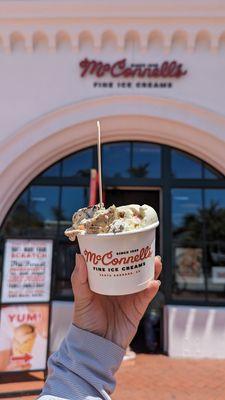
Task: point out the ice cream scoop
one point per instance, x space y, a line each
98 219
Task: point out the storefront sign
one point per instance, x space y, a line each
218 275
23 337
26 271
141 72
168 69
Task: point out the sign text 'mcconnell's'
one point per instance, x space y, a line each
167 69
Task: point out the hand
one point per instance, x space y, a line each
115 318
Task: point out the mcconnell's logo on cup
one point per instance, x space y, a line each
108 259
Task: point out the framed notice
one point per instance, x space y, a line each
218 275
27 271
24 337
189 265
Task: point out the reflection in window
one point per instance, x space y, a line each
216 270
116 160
44 209
146 160
72 199
187 216
187 221
79 164
210 173
215 214
185 166
53 171
17 220
188 276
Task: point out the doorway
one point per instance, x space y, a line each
149 336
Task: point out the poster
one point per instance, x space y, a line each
189 265
23 337
26 271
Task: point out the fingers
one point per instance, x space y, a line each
142 299
158 266
79 279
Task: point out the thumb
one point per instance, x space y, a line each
79 280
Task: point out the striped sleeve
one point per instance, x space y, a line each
82 368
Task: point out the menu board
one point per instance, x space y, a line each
23 337
26 271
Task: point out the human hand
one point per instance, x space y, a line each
115 318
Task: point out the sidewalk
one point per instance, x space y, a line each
161 378
164 378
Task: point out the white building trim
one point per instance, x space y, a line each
174 21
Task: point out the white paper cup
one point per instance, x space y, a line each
120 263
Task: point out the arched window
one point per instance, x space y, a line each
192 212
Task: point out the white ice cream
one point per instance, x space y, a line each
111 220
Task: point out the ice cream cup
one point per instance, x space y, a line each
120 263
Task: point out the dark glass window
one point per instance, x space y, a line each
215 236
185 166
17 220
116 160
72 199
215 269
43 210
210 173
53 171
64 263
215 214
146 160
187 221
188 272
187 215
79 164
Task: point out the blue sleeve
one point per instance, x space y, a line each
82 368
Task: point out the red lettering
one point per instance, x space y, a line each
155 73
164 69
25 317
11 317
168 69
20 317
91 257
100 71
88 66
180 72
172 69
117 68
31 317
107 258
